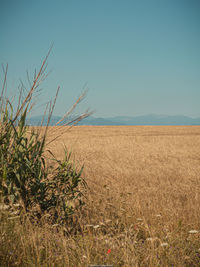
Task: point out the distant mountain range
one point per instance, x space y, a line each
122 120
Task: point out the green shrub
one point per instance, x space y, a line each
25 177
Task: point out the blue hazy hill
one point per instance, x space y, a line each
121 120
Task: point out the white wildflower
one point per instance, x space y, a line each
14 213
165 244
13 218
193 232
4 207
96 226
16 205
55 225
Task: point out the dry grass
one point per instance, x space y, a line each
144 200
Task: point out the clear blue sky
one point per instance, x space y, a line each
137 57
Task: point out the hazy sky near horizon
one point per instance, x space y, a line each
137 57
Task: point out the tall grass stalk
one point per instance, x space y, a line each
26 180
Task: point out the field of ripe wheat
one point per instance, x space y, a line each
142 205
146 180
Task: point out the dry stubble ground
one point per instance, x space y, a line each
143 203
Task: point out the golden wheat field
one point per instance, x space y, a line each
157 168
143 203
145 175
